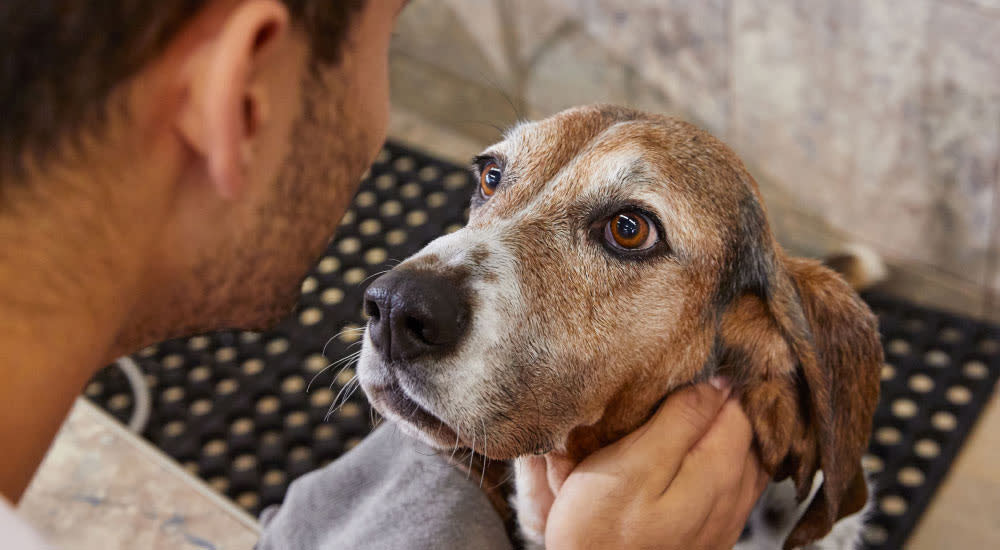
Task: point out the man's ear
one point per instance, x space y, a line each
805 359
224 108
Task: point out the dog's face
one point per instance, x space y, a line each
585 268
604 253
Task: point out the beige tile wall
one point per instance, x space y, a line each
868 121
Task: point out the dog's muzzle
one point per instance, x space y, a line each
414 314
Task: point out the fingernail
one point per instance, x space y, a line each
721 383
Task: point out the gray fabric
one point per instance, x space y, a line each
389 492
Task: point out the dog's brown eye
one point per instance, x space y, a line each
630 231
489 178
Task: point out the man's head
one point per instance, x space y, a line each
216 143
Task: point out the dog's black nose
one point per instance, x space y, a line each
414 313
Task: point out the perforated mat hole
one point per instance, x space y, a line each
190 467
976 370
201 407
173 361
872 463
355 276
324 432
429 173
293 384
904 408
927 449
345 376
365 199
385 182
120 402
437 200
875 534
310 316
944 421
898 346
300 453
200 374
274 477
910 476
226 354
349 217
452 228
332 296
316 363
327 265
148 351
456 180
350 410
937 358
352 443
375 256
249 337
349 245
252 367
226 387
888 435
959 395
921 383
219 484
297 419
893 505
888 371
215 448
175 428
242 426
321 397
988 346
395 237
248 500
276 346
410 190
173 394
309 284
383 156
244 462
198 343
369 227
94 389
416 218
390 208
350 333
404 164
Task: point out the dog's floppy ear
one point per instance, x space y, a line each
804 351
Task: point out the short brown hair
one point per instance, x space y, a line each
60 61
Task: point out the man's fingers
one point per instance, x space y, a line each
714 463
655 451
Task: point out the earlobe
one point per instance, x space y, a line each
225 108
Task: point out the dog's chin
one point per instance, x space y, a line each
389 398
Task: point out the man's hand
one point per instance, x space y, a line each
687 479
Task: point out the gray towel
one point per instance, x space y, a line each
389 492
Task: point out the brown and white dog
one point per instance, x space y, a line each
612 256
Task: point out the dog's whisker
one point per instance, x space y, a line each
350 357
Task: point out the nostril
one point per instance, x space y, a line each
372 310
417 328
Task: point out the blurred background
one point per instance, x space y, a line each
874 122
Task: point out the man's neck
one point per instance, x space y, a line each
62 282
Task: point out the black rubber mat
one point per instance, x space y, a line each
234 409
